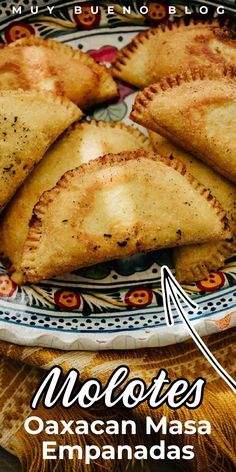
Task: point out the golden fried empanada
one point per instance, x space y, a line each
77 145
116 206
30 122
194 262
39 64
172 48
197 111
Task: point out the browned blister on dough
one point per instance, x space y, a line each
43 64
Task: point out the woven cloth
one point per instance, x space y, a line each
22 368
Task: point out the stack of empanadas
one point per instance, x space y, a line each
116 206
29 123
79 144
40 83
196 110
100 192
195 261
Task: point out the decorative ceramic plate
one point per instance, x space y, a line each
118 304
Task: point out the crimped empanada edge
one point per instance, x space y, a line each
45 96
199 271
80 125
115 124
223 251
102 71
123 56
56 46
35 225
145 97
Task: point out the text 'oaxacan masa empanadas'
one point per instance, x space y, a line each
38 64
194 262
197 111
79 144
172 48
29 123
116 206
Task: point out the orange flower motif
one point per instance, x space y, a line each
138 297
87 19
224 323
7 287
215 281
67 299
18 30
157 11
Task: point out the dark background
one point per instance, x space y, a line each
9 463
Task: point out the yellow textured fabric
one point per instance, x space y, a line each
22 368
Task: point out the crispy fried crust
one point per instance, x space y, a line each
30 122
80 143
127 188
195 262
197 110
174 47
49 65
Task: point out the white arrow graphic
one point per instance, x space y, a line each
172 292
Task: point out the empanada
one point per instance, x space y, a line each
194 262
79 144
197 111
39 64
116 206
172 48
29 122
